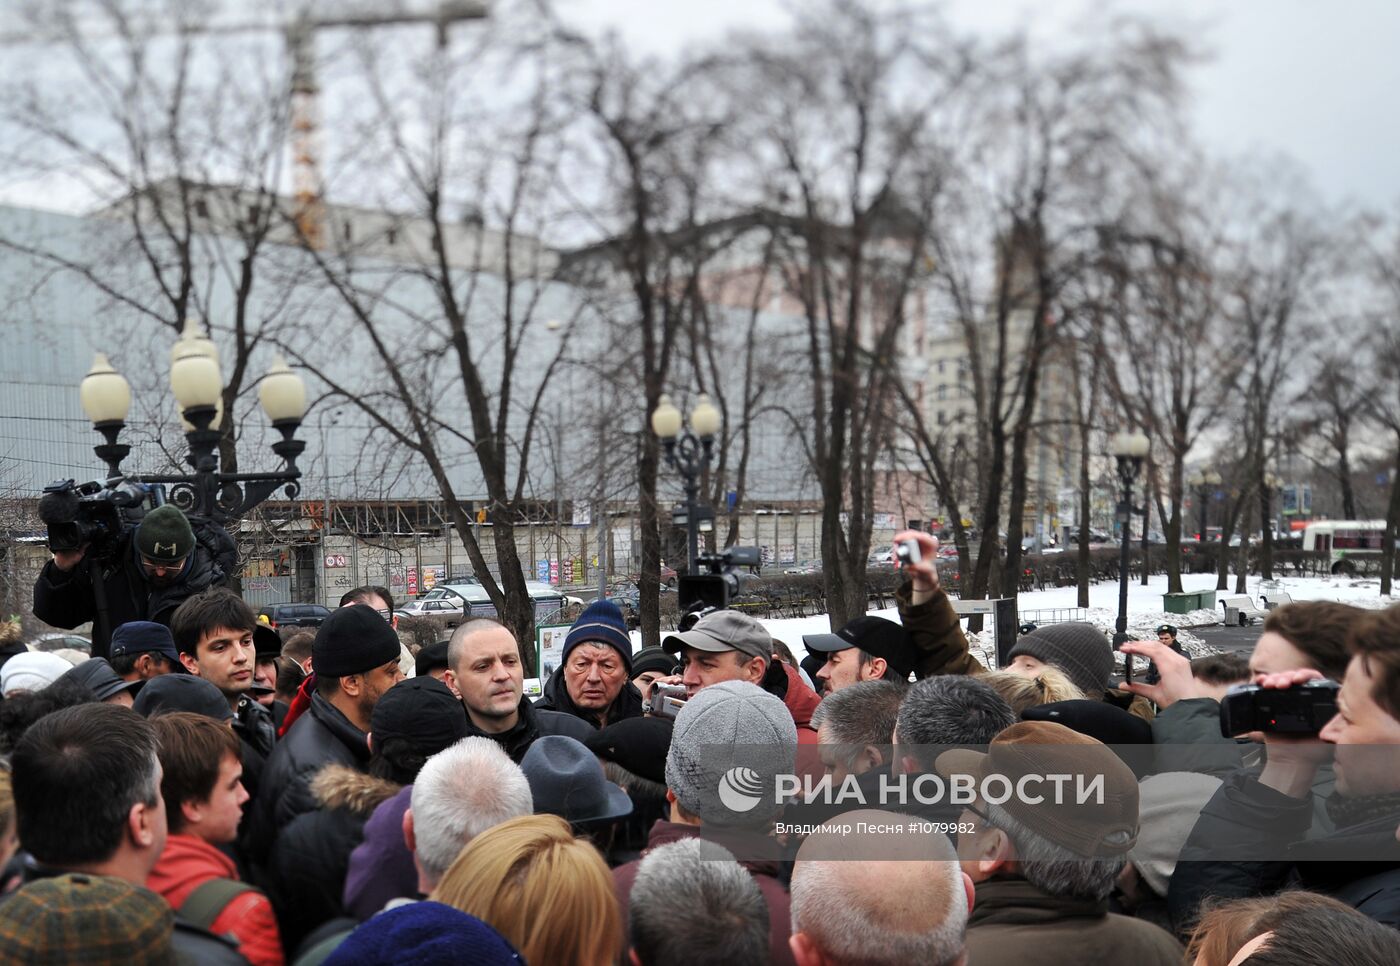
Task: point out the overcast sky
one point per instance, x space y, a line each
1318 82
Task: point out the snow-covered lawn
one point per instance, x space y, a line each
1144 607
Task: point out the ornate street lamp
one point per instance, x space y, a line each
198 389
1129 449
689 452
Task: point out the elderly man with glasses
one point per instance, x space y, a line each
150 570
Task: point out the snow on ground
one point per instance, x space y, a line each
1144 608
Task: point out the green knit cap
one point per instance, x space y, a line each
164 535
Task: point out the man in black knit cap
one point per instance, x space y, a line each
356 660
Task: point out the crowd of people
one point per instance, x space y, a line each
204 789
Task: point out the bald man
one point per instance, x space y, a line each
886 892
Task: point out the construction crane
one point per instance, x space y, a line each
299 33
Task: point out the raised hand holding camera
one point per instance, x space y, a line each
917 554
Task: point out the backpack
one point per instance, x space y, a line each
202 906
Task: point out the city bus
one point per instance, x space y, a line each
1352 545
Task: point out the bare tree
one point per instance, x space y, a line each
852 166
438 317
1172 361
178 138
1330 408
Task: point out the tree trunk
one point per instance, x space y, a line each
1266 529
648 580
1082 563
1392 526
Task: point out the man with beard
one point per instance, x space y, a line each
154 568
484 670
356 660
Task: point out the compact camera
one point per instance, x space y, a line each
1300 710
907 552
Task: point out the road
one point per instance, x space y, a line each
1237 639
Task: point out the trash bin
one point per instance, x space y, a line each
1185 603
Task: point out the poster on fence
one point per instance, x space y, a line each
549 649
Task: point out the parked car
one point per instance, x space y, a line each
57 642
294 615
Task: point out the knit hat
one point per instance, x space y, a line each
146 637
731 741
97 676
1080 650
423 711
182 692
353 640
32 671
638 744
164 535
600 623
426 934
652 659
724 630
1171 804
267 643
1104 824
85 918
567 780
430 659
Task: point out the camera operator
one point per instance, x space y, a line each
725 645
1269 818
156 565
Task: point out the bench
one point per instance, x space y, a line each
1240 609
1279 599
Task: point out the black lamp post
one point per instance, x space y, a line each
1128 449
198 389
689 452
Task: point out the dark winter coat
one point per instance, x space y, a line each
627 704
323 736
256 732
765 872
1187 736
1358 864
66 599
1014 922
306 870
533 723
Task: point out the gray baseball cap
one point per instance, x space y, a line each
724 630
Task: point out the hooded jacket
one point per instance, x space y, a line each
307 868
533 723
186 864
765 872
323 736
1012 921
627 704
66 599
783 681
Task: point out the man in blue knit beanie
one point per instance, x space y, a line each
594 677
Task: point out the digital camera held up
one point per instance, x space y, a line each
1300 710
95 514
